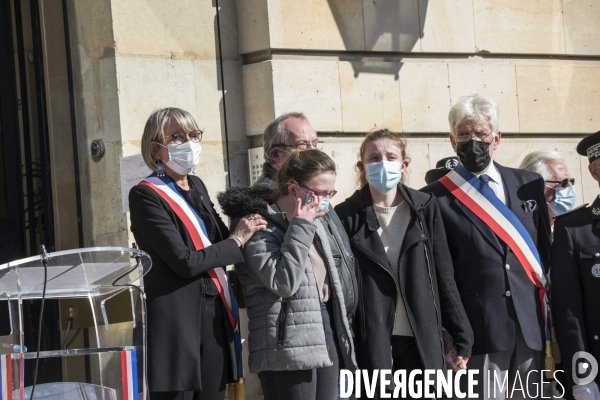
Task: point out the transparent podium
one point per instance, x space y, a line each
100 291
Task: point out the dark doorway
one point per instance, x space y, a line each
27 201
26 198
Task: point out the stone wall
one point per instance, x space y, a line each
350 65
356 65
134 57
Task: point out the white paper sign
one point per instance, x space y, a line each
133 170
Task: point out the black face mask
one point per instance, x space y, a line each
474 155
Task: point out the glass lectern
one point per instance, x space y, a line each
105 286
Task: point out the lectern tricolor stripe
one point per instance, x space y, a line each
129 375
6 371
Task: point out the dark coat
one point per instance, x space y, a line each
575 287
174 286
424 278
268 173
490 279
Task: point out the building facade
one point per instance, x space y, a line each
86 71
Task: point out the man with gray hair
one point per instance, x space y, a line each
559 190
289 132
499 240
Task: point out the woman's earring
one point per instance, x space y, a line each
160 169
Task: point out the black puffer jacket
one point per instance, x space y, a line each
425 278
237 202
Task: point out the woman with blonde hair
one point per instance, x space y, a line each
406 280
192 312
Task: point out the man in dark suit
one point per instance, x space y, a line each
502 303
575 277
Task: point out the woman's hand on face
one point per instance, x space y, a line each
309 211
248 225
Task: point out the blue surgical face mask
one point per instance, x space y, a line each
384 175
564 200
324 202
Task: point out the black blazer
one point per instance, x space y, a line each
174 286
424 278
492 283
576 284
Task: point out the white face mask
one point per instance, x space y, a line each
183 157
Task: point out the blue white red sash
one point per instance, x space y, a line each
6 372
484 203
129 375
166 189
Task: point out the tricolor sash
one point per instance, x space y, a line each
129 375
166 189
484 203
6 372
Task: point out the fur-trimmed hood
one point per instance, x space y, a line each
239 201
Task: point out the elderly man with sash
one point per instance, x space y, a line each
498 232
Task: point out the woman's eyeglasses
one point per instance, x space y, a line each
322 194
564 183
180 137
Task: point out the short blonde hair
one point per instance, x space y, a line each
154 131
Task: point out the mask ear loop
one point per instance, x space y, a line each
302 190
306 201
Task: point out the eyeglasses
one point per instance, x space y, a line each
179 137
322 194
564 183
480 136
302 146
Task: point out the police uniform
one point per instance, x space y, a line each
575 278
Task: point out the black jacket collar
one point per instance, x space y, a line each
366 238
363 200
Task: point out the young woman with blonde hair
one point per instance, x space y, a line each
407 289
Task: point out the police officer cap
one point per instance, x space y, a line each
448 163
442 167
590 146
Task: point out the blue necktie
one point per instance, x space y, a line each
485 179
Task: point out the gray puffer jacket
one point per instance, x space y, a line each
286 325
